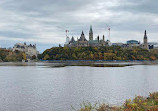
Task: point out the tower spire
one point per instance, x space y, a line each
82 32
91 33
145 35
145 40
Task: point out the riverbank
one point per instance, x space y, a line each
101 63
90 63
139 103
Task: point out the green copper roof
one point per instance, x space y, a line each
93 41
91 31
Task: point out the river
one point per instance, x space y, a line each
44 88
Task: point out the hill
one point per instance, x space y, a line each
99 53
9 56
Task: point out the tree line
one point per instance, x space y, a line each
10 56
98 53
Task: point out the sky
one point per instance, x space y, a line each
43 22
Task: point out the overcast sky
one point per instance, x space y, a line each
44 21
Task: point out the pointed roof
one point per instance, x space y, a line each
103 37
72 40
145 35
82 38
91 30
82 33
98 37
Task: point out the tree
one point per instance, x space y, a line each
152 58
24 56
96 53
46 57
33 57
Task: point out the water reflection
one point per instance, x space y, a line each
45 89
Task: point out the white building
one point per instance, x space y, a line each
67 40
29 50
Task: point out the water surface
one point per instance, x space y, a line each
43 88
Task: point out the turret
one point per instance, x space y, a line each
72 39
103 38
145 35
82 33
82 38
60 45
67 40
98 38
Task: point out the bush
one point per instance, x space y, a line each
139 103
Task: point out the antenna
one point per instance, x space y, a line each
109 29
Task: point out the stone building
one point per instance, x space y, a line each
133 43
91 33
83 42
145 44
29 50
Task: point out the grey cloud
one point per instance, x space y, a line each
138 6
11 34
40 19
45 6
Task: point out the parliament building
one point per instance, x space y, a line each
83 42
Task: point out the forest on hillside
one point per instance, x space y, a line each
98 53
9 56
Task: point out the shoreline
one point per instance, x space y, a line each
90 63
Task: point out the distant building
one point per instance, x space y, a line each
91 33
133 43
100 41
67 40
29 50
117 44
145 44
153 45
83 42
